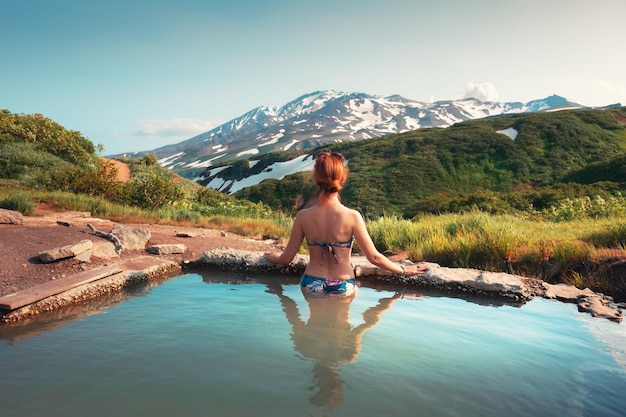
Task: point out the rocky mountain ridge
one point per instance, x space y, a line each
323 117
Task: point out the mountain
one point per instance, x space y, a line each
496 164
325 117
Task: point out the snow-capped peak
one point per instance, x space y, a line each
322 117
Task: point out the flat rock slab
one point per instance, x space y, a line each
63 252
506 285
599 305
34 294
104 249
564 292
84 286
166 249
144 263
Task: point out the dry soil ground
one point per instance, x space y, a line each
20 245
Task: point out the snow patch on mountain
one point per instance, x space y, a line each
290 144
510 132
254 151
169 159
277 170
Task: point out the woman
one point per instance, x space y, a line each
330 228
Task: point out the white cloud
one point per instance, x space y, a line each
178 128
483 91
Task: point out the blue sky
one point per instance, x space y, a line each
138 74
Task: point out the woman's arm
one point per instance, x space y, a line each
372 254
295 241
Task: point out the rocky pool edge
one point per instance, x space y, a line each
474 282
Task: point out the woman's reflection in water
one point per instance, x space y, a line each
328 337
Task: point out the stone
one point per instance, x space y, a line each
166 249
11 217
64 252
233 260
104 249
131 238
498 282
85 256
565 292
599 305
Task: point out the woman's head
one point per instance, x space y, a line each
330 172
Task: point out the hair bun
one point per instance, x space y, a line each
329 172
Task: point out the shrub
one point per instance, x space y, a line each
98 179
151 188
587 207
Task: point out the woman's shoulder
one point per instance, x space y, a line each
354 213
305 213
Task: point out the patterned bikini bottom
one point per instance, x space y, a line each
322 286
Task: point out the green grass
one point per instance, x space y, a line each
566 251
18 202
251 220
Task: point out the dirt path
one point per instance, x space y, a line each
123 171
20 245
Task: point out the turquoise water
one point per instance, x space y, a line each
230 345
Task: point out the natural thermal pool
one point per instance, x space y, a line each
222 344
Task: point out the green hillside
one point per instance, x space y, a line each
555 155
39 154
33 146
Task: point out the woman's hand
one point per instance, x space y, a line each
272 256
415 269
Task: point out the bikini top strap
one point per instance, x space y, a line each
331 247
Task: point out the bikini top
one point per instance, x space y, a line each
331 246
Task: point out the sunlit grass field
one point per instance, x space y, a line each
534 248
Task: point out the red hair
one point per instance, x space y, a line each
330 172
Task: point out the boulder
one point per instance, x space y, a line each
600 305
85 256
565 292
11 217
131 238
167 249
104 250
64 252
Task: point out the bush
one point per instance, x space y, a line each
151 188
210 197
586 207
98 180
